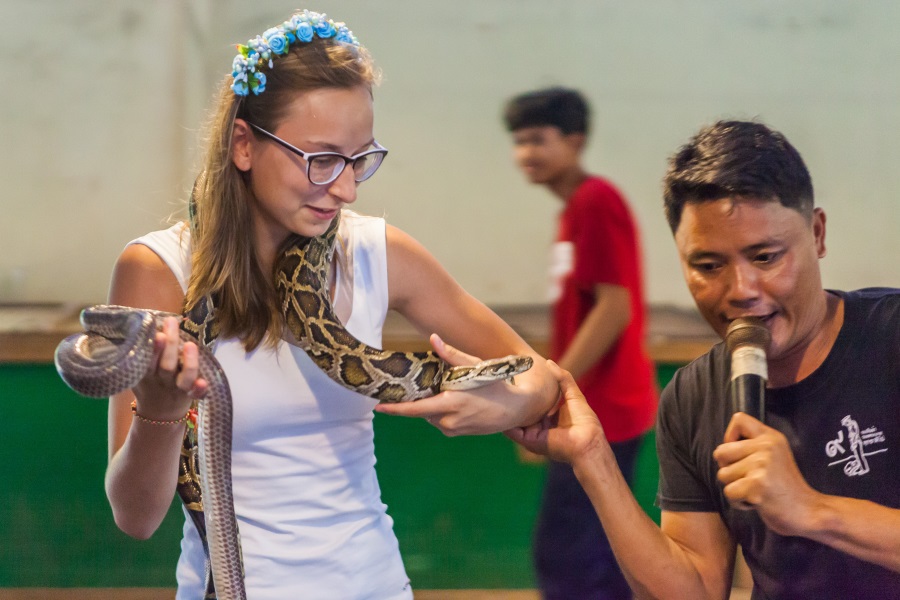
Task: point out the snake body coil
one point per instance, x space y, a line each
389 376
113 355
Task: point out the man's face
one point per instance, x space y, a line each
747 257
544 153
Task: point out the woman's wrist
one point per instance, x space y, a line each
532 401
188 417
540 385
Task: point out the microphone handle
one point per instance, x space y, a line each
748 395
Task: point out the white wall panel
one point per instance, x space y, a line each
104 101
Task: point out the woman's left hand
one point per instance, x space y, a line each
490 409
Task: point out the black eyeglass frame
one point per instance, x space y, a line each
308 157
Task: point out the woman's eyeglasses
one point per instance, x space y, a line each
324 167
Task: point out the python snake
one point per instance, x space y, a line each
116 349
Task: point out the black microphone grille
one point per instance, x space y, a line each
747 331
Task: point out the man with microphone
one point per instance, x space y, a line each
808 485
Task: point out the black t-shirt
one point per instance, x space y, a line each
843 425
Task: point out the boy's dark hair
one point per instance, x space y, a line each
737 159
559 107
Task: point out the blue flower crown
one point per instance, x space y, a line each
276 41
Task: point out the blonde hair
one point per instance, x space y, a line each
224 261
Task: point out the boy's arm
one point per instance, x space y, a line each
599 330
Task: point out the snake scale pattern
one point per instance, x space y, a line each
116 349
114 355
302 278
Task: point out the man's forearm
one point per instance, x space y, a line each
863 529
652 562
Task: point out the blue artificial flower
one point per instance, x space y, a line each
304 32
239 87
289 30
345 35
276 40
324 29
258 83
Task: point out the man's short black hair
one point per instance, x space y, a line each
737 159
559 107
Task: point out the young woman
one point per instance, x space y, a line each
290 140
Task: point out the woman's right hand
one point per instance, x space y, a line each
173 381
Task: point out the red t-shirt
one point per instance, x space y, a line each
597 243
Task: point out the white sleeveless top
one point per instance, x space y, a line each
312 524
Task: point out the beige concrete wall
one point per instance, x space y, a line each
103 101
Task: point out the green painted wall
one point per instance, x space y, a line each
463 507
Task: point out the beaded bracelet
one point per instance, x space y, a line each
186 418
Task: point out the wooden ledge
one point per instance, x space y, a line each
29 333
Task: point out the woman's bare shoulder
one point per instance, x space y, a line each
142 279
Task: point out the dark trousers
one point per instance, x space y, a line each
572 557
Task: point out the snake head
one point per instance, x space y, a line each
511 365
111 355
486 372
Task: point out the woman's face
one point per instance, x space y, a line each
285 201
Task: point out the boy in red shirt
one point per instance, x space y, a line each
597 335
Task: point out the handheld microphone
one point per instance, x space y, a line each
746 341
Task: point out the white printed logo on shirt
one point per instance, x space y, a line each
562 261
854 447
